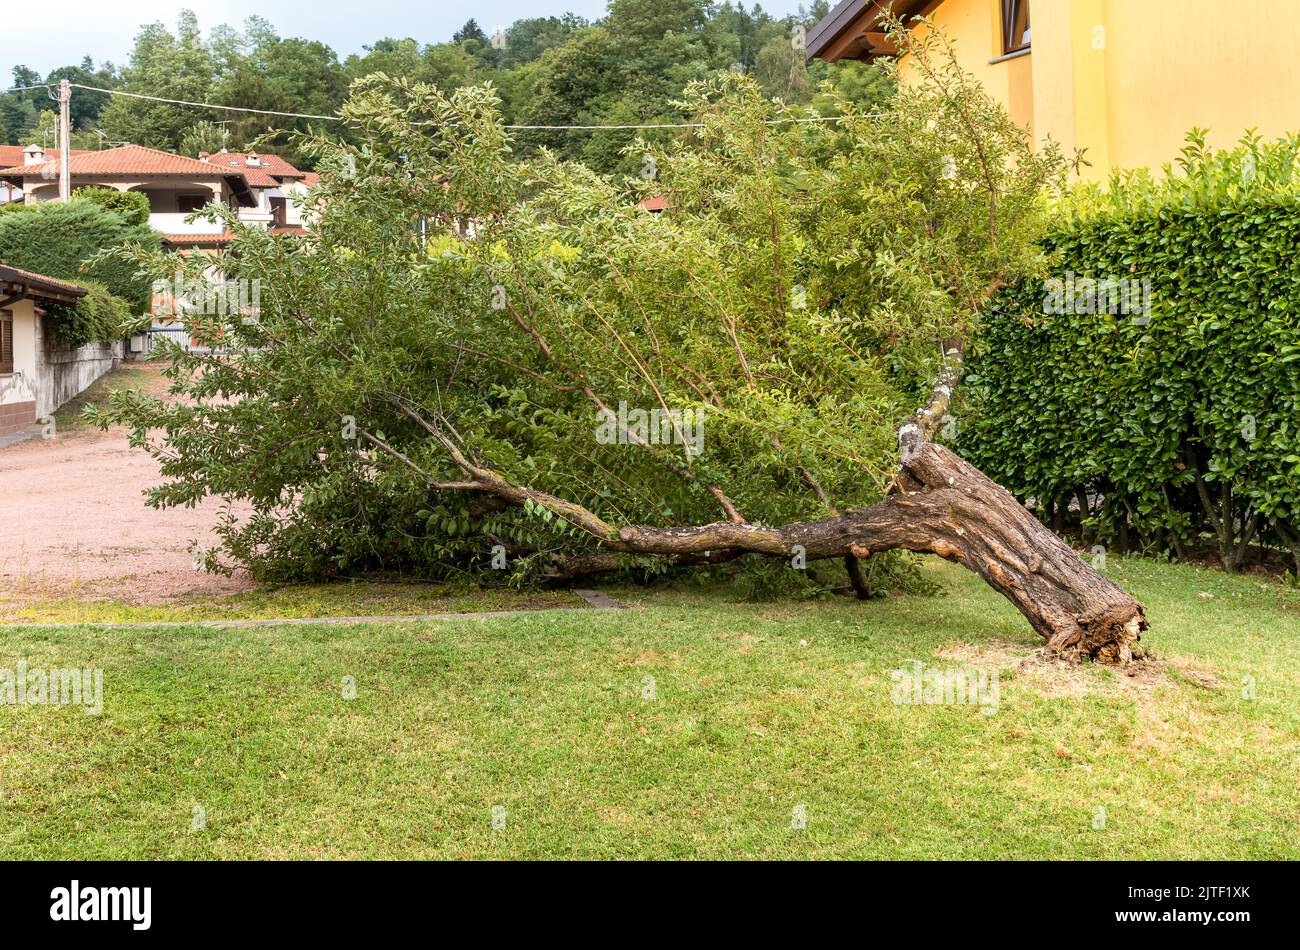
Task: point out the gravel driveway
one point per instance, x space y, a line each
73 519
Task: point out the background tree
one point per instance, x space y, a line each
628 68
470 31
780 71
205 136
413 400
178 66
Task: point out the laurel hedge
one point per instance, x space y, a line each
1180 418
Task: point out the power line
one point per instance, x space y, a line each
204 105
678 125
334 118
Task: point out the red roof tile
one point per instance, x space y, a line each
13 154
270 171
17 275
123 161
200 240
225 237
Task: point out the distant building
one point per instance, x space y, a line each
259 188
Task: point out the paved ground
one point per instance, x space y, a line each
73 520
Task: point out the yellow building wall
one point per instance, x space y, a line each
1126 79
975 29
1174 64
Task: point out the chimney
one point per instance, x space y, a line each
33 155
203 156
253 161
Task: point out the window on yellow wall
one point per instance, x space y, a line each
1015 25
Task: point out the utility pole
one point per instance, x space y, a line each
65 102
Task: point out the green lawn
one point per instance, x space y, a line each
353 599
757 709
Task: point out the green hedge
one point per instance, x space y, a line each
54 238
97 317
131 205
1157 426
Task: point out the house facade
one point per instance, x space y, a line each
37 373
11 155
1124 79
276 185
261 189
176 186
264 191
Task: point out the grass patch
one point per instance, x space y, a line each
146 376
756 709
355 599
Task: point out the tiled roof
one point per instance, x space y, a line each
13 154
125 160
270 171
200 240
656 203
225 237
39 281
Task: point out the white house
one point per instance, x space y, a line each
276 184
37 373
176 186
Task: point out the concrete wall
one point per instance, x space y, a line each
47 374
63 372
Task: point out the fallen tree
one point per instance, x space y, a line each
474 363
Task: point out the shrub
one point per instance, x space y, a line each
132 205
98 316
1165 422
55 238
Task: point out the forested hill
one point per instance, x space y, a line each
626 68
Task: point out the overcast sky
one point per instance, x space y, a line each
68 30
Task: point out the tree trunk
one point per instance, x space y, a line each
943 505
938 504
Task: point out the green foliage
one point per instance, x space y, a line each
204 136
133 206
96 317
56 238
791 304
1184 419
28 116
629 68
173 66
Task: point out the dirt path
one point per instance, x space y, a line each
74 520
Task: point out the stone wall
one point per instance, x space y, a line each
63 372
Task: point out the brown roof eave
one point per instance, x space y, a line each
239 187
832 25
20 284
857 17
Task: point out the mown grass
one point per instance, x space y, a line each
353 599
756 709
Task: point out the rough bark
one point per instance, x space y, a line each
943 505
938 504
